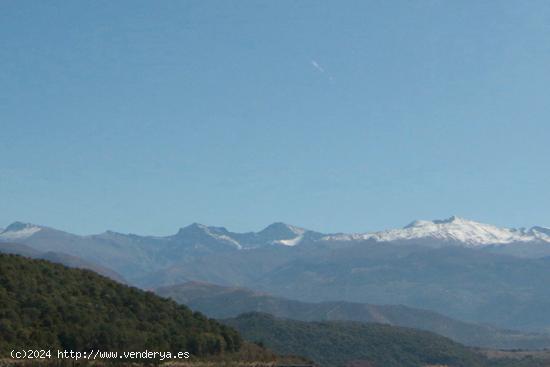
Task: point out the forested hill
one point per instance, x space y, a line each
337 343
45 305
345 343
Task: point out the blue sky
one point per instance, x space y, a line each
333 115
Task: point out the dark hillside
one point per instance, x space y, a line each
48 305
337 343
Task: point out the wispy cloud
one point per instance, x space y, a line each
318 67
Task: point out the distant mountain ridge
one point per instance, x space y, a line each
435 265
454 230
275 234
18 230
224 302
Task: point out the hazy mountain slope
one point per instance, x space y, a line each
465 284
228 268
123 253
60 258
462 283
52 306
337 343
18 249
223 302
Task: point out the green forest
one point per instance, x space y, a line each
345 343
45 305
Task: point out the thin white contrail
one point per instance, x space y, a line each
316 65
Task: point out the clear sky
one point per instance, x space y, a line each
333 115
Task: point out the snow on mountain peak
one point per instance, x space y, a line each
217 233
290 242
282 229
283 234
19 230
297 230
453 229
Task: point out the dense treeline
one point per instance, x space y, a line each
342 343
336 343
45 305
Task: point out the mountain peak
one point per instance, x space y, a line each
19 230
193 227
451 220
18 226
198 231
282 234
417 223
280 228
454 230
196 225
537 231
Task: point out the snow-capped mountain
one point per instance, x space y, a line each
433 233
452 230
19 230
283 234
204 234
275 234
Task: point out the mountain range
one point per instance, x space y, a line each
463 269
532 242
454 230
225 302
